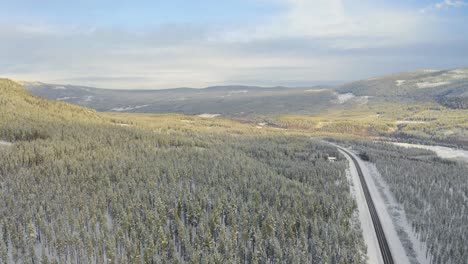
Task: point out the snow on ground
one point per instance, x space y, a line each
315 90
64 98
237 92
443 152
140 106
368 232
398 122
209 115
396 246
459 73
430 84
343 98
415 249
4 143
400 82
121 109
59 88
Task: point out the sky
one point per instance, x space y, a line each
152 44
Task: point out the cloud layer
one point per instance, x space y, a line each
308 42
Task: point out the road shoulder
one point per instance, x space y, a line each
370 238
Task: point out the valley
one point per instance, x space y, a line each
243 132
383 106
232 174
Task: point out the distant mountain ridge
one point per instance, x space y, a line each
446 87
234 100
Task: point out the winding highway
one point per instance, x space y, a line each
382 240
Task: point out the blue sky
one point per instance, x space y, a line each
162 44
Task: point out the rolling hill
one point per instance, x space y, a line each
80 186
424 105
225 100
448 87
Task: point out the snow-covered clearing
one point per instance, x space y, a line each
121 109
343 98
443 152
237 92
209 115
368 232
400 82
316 90
64 98
459 73
430 84
4 143
398 122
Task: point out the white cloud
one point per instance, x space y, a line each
349 26
310 40
444 4
450 3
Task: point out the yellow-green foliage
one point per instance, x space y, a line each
15 102
427 120
19 111
170 123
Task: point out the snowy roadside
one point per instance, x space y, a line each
415 249
404 244
370 238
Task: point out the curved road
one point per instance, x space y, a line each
383 244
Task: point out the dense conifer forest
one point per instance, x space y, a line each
77 186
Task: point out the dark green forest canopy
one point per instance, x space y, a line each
77 188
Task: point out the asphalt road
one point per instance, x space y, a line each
383 244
